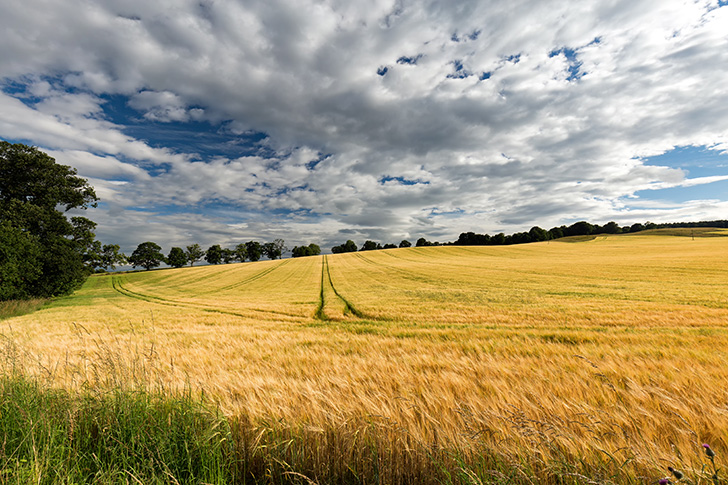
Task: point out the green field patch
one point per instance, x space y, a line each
577 239
16 308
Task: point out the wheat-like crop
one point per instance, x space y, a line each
614 347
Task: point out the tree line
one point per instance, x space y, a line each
149 254
535 234
581 228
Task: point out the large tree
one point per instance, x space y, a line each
20 262
348 247
112 256
310 250
214 254
280 247
35 194
275 249
370 246
194 253
254 250
177 257
148 255
241 252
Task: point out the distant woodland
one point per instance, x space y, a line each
536 234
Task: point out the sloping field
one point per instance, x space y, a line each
612 350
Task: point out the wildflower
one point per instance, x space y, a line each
677 473
664 481
708 451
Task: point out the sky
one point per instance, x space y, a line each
219 122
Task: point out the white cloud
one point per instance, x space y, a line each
163 106
107 168
49 125
507 113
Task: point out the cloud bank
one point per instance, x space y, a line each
320 121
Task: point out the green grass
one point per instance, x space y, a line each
16 308
52 436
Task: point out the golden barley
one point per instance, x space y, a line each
615 345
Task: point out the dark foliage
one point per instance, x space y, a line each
310 250
275 249
214 254
254 250
241 252
348 247
148 255
581 228
42 253
177 257
228 256
194 253
424 242
370 246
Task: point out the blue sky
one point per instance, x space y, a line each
696 162
310 121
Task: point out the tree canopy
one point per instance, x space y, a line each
214 254
42 252
241 252
111 256
148 255
194 253
275 249
310 250
254 250
348 247
370 246
177 257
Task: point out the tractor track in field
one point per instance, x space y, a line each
117 284
200 278
609 292
466 249
327 282
249 279
408 275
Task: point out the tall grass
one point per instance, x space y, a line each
129 432
118 421
15 308
56 436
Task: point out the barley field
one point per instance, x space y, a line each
595 360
